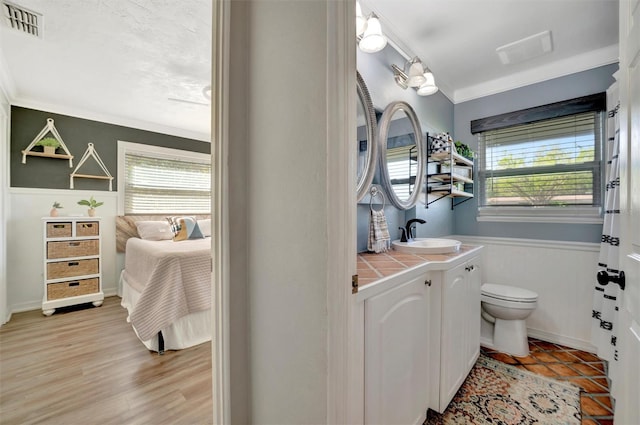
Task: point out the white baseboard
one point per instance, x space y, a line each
37 305
549 337
25 306
562 340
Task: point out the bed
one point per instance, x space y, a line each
166 289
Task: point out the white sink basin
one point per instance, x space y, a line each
427 246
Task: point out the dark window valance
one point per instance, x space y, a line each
594 102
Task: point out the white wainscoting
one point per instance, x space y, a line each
561 273
25 247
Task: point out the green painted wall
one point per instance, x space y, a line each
49 173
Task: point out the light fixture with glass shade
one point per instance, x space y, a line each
429 86
372 40
369 32
361 21
416 73
418 77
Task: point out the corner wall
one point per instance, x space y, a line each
575 85
34 186
278 149
5 117
435 114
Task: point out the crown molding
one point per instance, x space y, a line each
583 62
110 119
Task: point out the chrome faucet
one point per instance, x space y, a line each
410 227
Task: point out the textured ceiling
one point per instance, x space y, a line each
124 59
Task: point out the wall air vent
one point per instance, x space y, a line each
22 19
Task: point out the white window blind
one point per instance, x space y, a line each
551 163
402 165
159 185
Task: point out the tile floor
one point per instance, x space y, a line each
578 367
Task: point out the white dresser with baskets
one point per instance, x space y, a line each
72 262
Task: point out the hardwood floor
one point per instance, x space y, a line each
86 366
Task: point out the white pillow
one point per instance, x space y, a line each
154 230
205 226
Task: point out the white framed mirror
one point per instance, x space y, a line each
401 154
366 143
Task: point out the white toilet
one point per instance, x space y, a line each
504 310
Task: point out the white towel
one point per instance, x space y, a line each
379 239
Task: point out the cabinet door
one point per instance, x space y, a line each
473 311
396 355
453 335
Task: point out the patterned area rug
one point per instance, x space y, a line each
496 393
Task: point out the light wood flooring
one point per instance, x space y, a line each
86 366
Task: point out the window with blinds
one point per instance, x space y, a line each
160 184
550 163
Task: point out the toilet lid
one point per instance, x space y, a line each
508 293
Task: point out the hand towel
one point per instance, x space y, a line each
379 239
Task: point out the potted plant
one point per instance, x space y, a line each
54 209
92 204
464 150
49 144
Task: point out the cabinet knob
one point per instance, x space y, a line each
470 268
427 282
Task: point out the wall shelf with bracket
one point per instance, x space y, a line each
48 128
449 175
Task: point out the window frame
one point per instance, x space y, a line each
584 214
125 148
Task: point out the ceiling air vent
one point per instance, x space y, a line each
525 49
22 19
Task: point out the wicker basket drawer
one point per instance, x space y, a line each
87 228
59 230
73 288
72 268
67 249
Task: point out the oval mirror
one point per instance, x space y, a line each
401 154
366 143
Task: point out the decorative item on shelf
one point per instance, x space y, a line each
91 152
441 143
464 150
55 142
92 204
54 209
49 145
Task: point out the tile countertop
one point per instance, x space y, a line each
373 267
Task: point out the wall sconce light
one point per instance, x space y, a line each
418 77
369 32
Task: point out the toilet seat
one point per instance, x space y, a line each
508 293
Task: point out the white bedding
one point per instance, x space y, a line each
167 287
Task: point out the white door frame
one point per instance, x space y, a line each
220 242
626 377
6 89
341 208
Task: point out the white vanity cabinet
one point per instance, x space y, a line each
459 328
397 341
